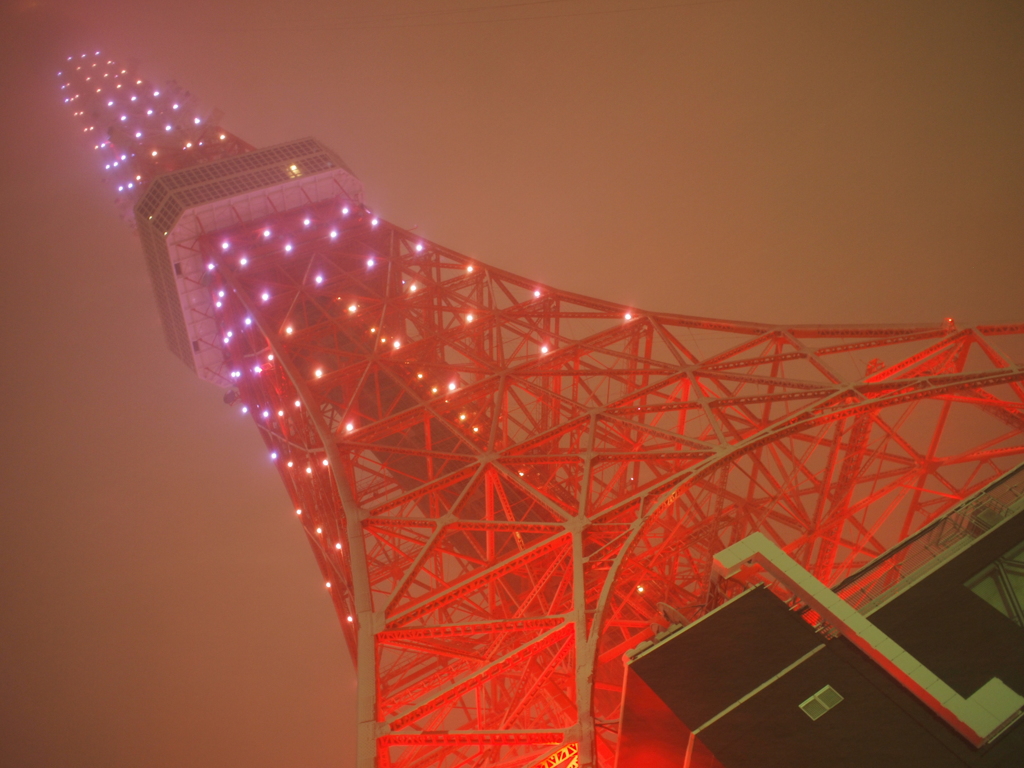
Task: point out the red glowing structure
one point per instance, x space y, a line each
507 486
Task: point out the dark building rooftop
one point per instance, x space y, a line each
755 684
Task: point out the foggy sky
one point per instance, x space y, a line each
790 162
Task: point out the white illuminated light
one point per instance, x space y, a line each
351 307
319 530
374 223
134 98
349 427
297 511
544 350
266 233
257 369
280 413
419 246
224 245
149 111
288 329
291 463
266 414
221 294
138 135
153 153
297 404
288 248
319 279
305 222
629 315
243 261
273 455
451 387
536 294
325 462
210 266
309 470
248 321
167 127
222 137
174 107
639 589
245 409
369 262
338 545
469 318
197 121
318 373
344 211
123 118
334 234
156 93
412 288
397 344
328 585
265 297
350 618
469 269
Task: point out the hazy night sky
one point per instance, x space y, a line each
796 162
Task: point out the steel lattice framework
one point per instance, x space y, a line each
507 486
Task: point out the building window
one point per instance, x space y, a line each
821 702
1001 585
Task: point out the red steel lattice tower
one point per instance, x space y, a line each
507 486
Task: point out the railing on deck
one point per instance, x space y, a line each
910 561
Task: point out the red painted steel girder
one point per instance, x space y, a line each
535 474
507 485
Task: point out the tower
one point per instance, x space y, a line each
505 485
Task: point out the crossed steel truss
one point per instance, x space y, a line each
507 486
